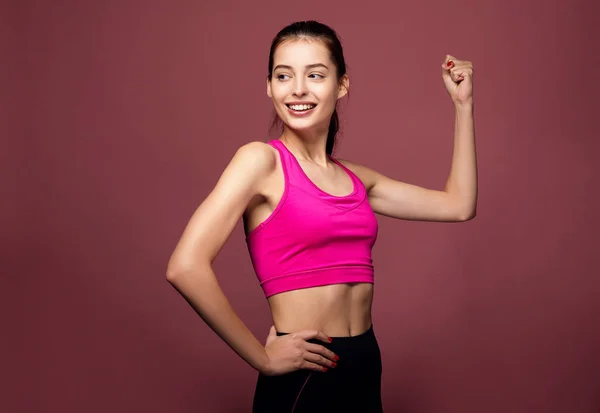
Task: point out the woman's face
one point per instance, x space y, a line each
304 86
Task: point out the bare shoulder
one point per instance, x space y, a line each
248 169
252 164
367 175
256 155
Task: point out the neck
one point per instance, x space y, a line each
309 146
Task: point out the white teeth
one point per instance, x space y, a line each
301 107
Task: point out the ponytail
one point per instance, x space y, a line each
334 126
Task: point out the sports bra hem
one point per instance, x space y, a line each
319 277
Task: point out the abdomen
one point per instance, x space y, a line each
338 310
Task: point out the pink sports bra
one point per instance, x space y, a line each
313 238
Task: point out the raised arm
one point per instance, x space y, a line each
458 200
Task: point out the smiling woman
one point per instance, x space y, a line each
310 227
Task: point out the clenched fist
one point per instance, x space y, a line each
458 79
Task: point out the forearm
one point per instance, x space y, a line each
201 290
462 181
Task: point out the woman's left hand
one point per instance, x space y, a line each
458 79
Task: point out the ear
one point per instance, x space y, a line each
269 88
344 86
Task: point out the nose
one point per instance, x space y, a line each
299 87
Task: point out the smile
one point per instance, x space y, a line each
301 109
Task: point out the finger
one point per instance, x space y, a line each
449 62
456 74
318 359
323 351
310 334
460 73
307 365
456 64
461 66
272 335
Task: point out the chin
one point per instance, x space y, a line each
301 124
305 128
306 124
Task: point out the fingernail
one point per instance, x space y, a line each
325 369
336 358
330 339
450 63
334 364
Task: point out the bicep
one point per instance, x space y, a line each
397 199
402 200
215 218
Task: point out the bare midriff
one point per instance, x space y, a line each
340 310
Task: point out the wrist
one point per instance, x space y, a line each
464 107
264 364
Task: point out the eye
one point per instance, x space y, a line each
282 77
316 76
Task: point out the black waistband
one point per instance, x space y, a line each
368 332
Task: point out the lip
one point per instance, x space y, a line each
300 113
298 102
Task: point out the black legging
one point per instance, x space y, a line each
353 386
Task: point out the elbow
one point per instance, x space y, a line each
172 274
176 271
183 268
467 215
465 218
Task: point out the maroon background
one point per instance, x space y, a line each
118 118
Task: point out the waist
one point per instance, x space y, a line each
339 310
367 334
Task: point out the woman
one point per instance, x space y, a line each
310 225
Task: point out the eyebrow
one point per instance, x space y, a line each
307 66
